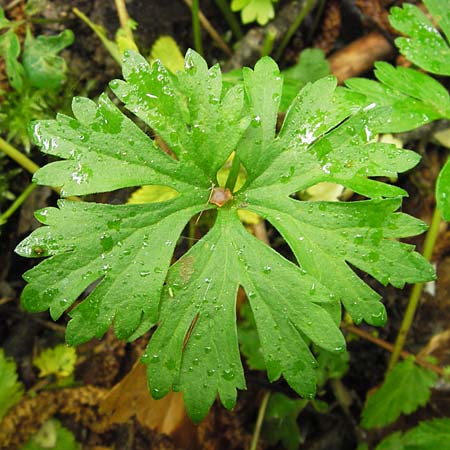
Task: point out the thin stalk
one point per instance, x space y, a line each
206 24
111 46
234 173
430 241
228 15
124 19
309 4
259 421
269 41
195 10
18 157
16 204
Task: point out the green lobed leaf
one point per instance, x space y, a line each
406 388
260 11
428 435
410 98
425 47
11 390
120 256
42 65
59 361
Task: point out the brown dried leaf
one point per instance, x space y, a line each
131 397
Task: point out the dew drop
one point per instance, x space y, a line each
228 374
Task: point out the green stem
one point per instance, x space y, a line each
259 421
124 19
111 46
430 241
19 200
269 41
228 15
234 173
309 4
18 157
196 26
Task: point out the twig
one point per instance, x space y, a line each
210 30
259 421
5 300
359 56
430 241
388 346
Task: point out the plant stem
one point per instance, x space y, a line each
196 27
309 4
234 173
210 30
259 421
17 202
100 32
230 18
124 19
18 157
430 241
269 41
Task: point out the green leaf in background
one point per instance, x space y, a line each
58 361
260 11
43 67
428 435
124 252
425 47
311 66
280 421
331 366
167 51
406 388
10 51
52 435
4 22
11 390
249 339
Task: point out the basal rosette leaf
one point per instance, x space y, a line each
126 248
120 255
197 338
